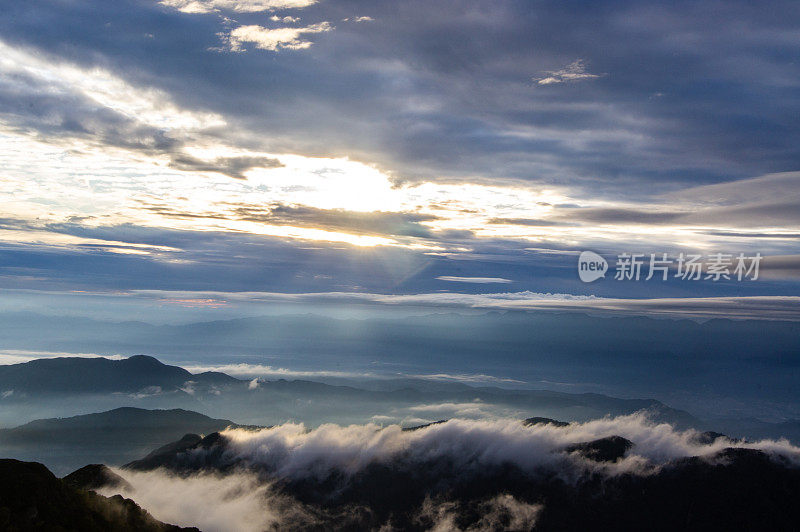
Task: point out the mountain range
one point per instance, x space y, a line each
143 381
717 367
112 437
732 488
611 480
152 402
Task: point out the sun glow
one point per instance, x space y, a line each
69 178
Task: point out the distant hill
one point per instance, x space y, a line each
57 387
702 365
112 437
100 375
32 498
144 379
112 424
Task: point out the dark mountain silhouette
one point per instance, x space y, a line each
755 428
545 421
164 455
179 455
145 382
708 437
608 449
32 499
142 378
125 419
626 356
94 476
74 375
113 437
417 427
733 489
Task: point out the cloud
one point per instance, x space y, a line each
575 71
476 409
467 378
91 123
731 307
261 370
235 167
245 502
253 477
237 6
475 280
212 503
503 512
781 266
754 190
531 222
619 216
273 39
459 107
372 223
292 451
20 356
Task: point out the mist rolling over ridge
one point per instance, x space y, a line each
426 266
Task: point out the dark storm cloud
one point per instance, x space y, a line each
690 93
781 266
779 213
754 235
399 224
201 260
52 112
219 261
444 89
372 223
230 166
619 216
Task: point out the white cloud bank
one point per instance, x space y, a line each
238 6
575 71
292 451
245 500
211 502
475 280
20 356
274 39
701 308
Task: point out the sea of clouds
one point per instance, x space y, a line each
241 492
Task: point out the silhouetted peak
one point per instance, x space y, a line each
143 361
417 427
212 440
32 498
544 421
708 437
94 476
609 449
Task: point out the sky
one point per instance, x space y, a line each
212 153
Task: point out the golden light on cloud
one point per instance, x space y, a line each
202 183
